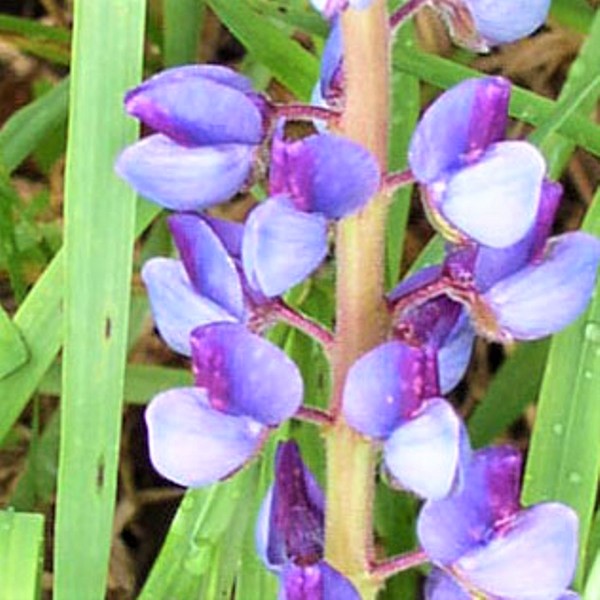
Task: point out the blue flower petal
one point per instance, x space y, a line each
458 126
455 354
489 493
534 558
282 246
198 105
315 582
230 233
509 20
440 586
185 178
324 173
544 297
482 199
331 60
176 306
194 445
494 264
423 452
245 374
383 387
209 266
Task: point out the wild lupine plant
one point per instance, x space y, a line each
394 356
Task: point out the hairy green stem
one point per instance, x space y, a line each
362 319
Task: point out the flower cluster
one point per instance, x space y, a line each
502 277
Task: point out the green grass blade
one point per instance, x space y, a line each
577 14
204 537
406 107
99 234
308 21
9 250
142 382
564 456
26 128
37 483
13 350
502 403
36 38
525 105
21 555
40 322
183 21
592 588
291 64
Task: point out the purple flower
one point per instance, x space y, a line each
205 286
479 24
209 123
533 288
545 295
441 325
476 186
244 387
483 544
290 533
313 180
332 8
391 394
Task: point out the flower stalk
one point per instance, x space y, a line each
361 316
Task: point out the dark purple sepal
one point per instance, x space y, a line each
198 105
177 307
195 445
294 513
282 246
208 264
317 581
185 178
422 454
547 295
383 388
488 495
323 173
244 374
458 127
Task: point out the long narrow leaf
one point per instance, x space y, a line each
564 457
99 234
291 64
21 555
